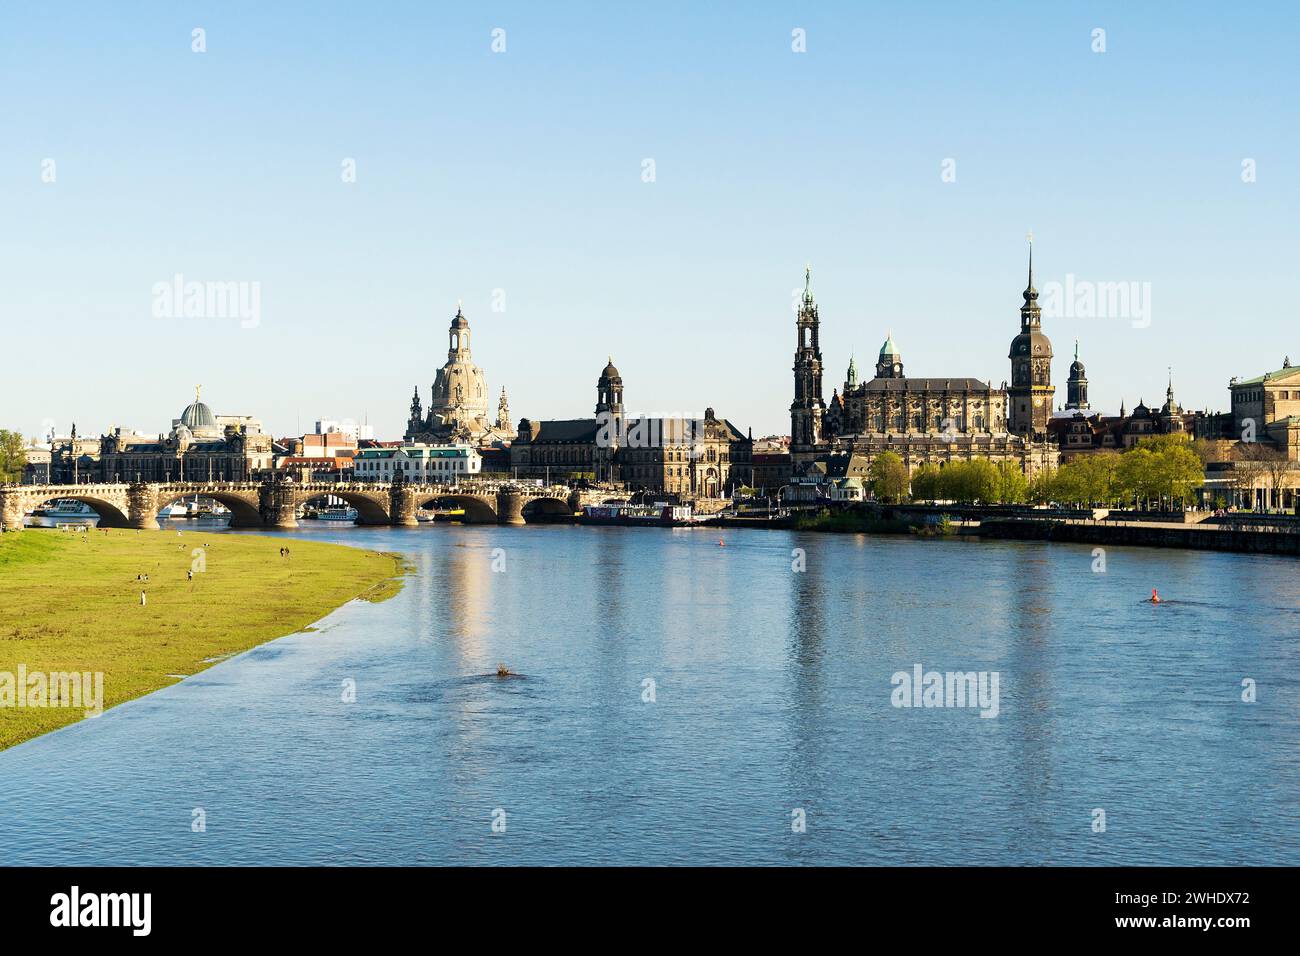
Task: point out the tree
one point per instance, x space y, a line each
1042 487
13 457
1013 486
925 483
888 477
970 481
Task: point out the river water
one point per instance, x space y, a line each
685 702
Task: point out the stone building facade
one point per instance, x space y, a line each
458 400
201 446
924 420
704 457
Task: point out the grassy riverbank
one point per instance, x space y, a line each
70 602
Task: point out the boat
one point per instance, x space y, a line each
66 508
336 514
660 514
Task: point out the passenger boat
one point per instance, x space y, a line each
336 514
659 514
66 508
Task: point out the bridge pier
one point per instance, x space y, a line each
402 506
142 503
11 511
510 507
278 506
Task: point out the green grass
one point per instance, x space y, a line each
70 601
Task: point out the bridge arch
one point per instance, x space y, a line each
243 512
110 514
477 510
370 508
542 508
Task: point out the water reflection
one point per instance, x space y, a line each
771 695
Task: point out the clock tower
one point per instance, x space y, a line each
807 409
1030 393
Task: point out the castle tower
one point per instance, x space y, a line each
890 362
1030 393
807 409
1076 386
610 424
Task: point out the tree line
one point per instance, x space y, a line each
1163 470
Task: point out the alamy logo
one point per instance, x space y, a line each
103 909
180 299
56 689
922 688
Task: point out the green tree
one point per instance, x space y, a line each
970 481
925 483
12 456
1042 487
1013 486
888 477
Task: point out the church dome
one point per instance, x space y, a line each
198 416
889 349
1076 369
1032 343
610 371
459 322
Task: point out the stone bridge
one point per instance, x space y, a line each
275 504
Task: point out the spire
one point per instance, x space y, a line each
807 285
1076 350
851 380
1030 293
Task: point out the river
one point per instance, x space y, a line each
686 702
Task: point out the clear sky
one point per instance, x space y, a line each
522 171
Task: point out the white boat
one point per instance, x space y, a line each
66 508
337 514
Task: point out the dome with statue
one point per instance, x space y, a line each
198 418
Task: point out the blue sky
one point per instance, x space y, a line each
522 171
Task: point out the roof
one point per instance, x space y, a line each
564 431
926 385
1285 372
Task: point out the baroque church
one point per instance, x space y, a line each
928 419
458 400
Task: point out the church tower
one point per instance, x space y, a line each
610 424
890 362
1076 386
1030 393
807 409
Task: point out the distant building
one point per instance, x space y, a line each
771 470
347 427
200 447
930 420
418 463
458 401
36 470
1076 432
704 457
316 467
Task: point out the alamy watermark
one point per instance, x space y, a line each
1084 299
79 690
179 299
922 688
